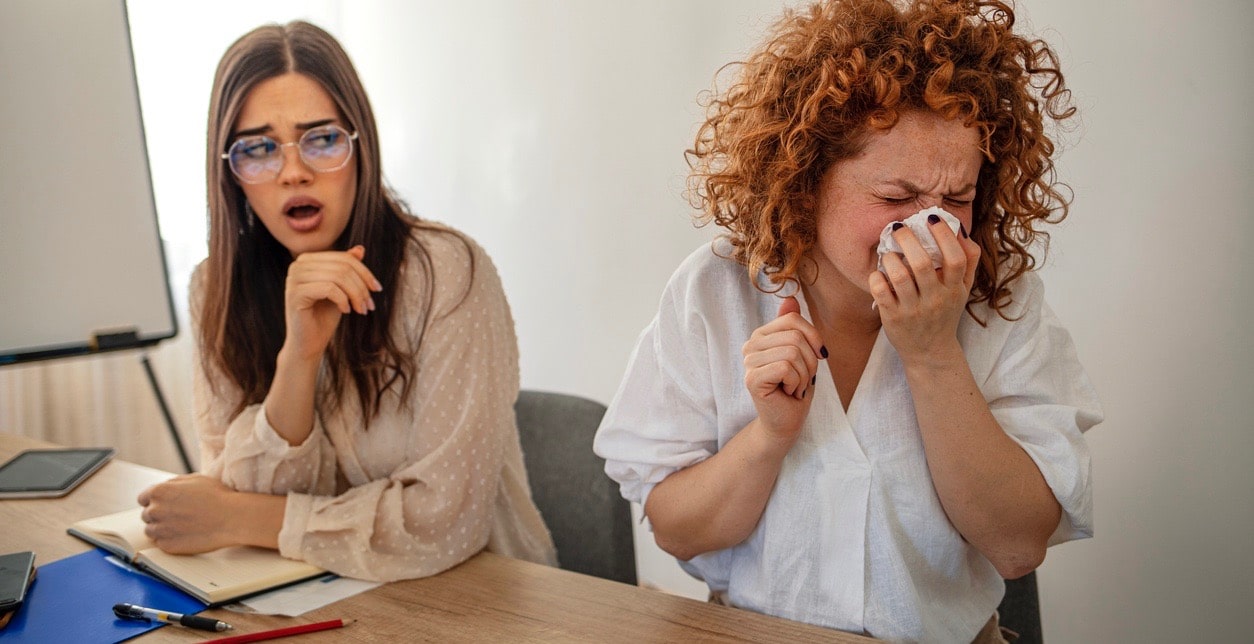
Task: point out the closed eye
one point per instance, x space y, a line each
896 201
959 202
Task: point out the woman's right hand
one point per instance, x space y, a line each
781 363
322 286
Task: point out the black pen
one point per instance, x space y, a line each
131 611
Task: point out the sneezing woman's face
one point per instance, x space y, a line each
924 160
302 181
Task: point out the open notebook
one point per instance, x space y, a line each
212 577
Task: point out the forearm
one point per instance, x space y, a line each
290 401
194 513
991 490
256 519
717 503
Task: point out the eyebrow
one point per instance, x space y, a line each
910 187
268 128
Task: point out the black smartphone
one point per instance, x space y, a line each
15 574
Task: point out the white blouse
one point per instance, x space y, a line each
427 485
853 536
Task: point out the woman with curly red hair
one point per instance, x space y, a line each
856 409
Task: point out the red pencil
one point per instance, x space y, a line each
282 632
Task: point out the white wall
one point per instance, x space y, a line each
553 133
1154 276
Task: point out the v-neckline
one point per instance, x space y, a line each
876 350
868 370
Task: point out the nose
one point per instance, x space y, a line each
294 171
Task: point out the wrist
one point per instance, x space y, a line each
935 361
257 520
297 367
234 524
767 444
290 359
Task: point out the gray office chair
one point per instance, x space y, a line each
589 520
1020 609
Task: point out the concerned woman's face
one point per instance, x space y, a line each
303 204
923 161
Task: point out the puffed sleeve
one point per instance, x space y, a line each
664 416
1041 396
245 452
435 508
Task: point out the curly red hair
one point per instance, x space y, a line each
827 76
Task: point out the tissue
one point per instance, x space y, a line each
917 223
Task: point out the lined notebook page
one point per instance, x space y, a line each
230 572
124 529
213 576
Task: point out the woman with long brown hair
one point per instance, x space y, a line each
358 365
856 409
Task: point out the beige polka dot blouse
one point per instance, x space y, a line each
431 482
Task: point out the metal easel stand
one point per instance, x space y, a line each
165 411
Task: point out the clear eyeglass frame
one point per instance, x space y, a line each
260 169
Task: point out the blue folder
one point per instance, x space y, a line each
71 600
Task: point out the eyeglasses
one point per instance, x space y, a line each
258 159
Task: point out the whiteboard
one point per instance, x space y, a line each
80 251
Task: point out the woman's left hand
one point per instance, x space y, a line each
187 514
920 305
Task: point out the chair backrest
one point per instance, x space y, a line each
1020 609
589 520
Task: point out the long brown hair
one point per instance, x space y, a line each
827 76
242 318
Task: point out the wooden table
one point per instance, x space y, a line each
489 598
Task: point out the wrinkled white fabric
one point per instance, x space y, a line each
434 479
854 536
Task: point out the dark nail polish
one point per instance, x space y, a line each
897 225
814 379
823 351
962 229
933 219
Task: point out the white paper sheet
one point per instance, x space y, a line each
301 598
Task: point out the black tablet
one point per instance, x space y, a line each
42 473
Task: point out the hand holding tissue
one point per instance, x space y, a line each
917 223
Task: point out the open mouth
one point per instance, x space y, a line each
302 211
303 214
